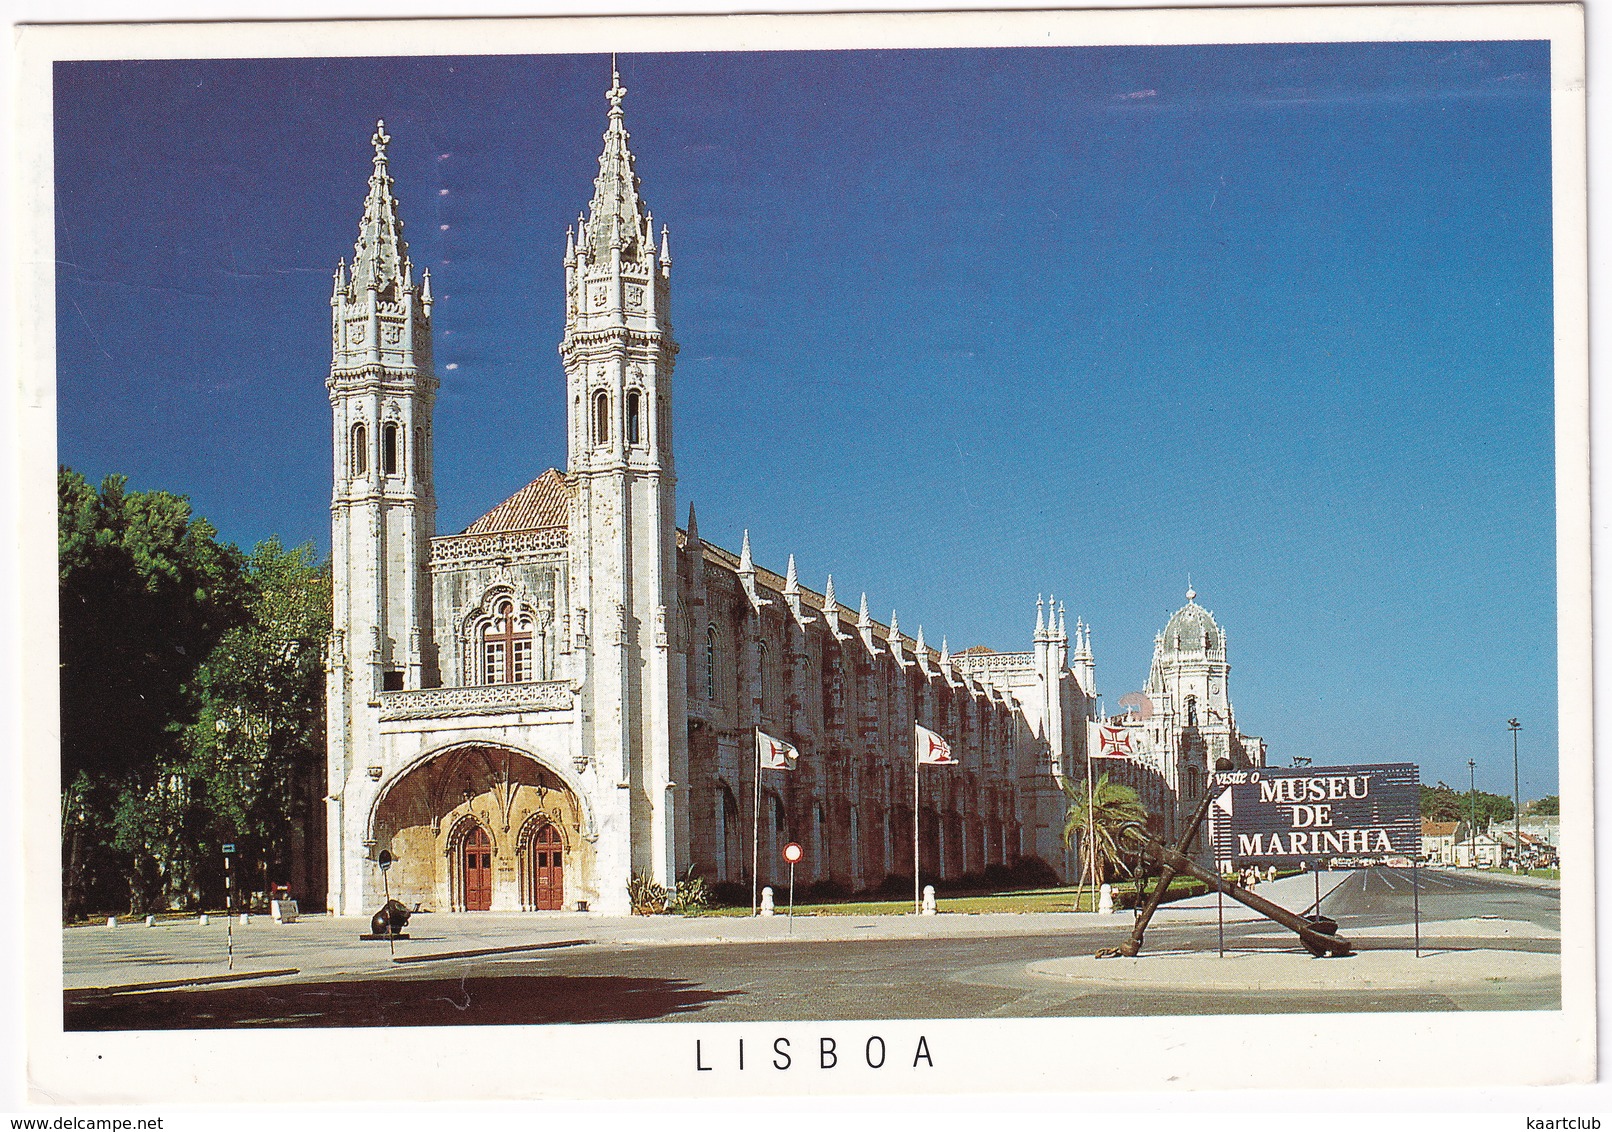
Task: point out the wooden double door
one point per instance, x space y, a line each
548 870
476 859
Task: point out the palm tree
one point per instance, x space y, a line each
1112 807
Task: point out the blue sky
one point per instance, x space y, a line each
958 326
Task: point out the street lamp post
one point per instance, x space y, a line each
1472 824
1516 800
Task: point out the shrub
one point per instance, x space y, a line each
895 885
647 897
692 895
1033 872
823 892
729 894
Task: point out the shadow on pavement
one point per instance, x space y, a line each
510 1001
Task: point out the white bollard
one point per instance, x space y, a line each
929 900
151 921
204 919
111 921
1105 900
246 917
766 902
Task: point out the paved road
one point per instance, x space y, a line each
1384 896
953 976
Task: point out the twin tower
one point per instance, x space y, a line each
616 506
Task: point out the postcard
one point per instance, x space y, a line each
730 556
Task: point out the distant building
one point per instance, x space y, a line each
1482 851
1438 841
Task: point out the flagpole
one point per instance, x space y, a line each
917 892
1091 828
755 828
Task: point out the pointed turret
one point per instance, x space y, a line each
696 557
380 255
831 612
864 626
792 597
894 642
1040 620
747 575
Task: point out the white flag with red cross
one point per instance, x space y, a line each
1109 742
775 754
932 749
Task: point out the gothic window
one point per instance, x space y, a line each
710 664
390 456
1192 711
419 450
506 646
1192 782
360 449
633 430
601 417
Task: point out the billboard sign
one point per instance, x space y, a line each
1277 815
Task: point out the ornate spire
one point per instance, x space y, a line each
1040 620
792 579
693 527
380 257
616 216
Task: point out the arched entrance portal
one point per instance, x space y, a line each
484 829
546 867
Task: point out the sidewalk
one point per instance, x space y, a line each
96 956
1443 971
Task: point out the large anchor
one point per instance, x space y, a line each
1318 933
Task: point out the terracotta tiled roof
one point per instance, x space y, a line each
1438 828
979 650
542 503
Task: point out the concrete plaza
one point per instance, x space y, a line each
1486 944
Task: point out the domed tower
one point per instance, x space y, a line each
1193 723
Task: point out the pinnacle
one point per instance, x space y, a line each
381 255
616 216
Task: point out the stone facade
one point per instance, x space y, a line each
567 693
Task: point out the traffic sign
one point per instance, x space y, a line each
229 847
792 852
385 859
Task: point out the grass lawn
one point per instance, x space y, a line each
1027 900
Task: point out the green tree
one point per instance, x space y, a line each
1110 808
1444 803
145 591
255 753
1548 806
